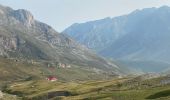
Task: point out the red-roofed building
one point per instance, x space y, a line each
52 78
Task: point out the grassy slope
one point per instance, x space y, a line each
18 71
117 89
10 97
12 70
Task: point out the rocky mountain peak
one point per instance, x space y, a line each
5 9
23 16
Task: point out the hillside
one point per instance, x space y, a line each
25 41
141 36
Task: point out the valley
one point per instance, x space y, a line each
131 88
121 58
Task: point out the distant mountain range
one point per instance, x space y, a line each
141 36
22 37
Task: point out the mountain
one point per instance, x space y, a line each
26 39
95 34
141 36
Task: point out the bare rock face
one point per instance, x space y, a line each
23 16
9 43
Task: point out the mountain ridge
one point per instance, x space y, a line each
141 35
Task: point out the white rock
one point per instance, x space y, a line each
1 94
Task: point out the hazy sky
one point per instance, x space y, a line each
62 13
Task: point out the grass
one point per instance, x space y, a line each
164 93
10 97
12 70
92 90
26 81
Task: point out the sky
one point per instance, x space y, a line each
62 13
